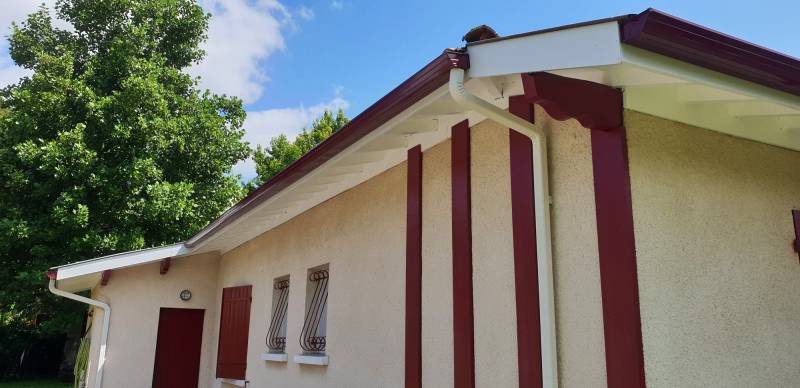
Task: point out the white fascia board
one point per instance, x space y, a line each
592 45
120 260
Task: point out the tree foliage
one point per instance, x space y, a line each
282 152
110 145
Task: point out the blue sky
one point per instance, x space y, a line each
291 59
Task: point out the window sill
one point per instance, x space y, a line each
274 357
311 360
234 382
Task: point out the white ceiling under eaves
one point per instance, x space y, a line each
652 83
678 91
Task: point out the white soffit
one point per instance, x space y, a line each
120 260
426 123
585 46
675 90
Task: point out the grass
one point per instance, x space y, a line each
35 384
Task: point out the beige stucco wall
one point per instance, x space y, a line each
361 233
578 301
579 312
719 283
437 268
136 296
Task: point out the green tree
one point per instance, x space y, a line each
109 146
282 152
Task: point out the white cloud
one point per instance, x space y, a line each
241 36
261 126
305 13
10 73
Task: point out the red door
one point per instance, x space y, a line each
180 335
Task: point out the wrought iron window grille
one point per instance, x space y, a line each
312 337
276 335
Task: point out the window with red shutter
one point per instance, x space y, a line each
234 327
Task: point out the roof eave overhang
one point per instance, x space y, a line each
671 36
431 77
85 274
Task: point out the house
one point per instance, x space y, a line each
606 204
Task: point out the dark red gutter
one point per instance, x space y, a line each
665 34
429 78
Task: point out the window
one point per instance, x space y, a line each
276 335
234 327
312 337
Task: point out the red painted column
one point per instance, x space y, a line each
599 108
526 275
796 220
618 273
463 323
413 376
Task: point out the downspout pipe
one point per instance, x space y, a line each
541 196
101 359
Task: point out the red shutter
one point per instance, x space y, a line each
234 327
796 218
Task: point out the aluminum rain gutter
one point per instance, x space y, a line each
101 360
542 213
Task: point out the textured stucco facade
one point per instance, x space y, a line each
719 282
718 279
136 296
361 234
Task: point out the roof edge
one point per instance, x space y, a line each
669 35
118 260
423 82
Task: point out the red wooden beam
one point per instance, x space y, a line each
599 108
594 105
413 361
105 277
526 276
796 218
165 265
463 323
617 250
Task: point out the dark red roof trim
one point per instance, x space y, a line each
429 78
665 34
